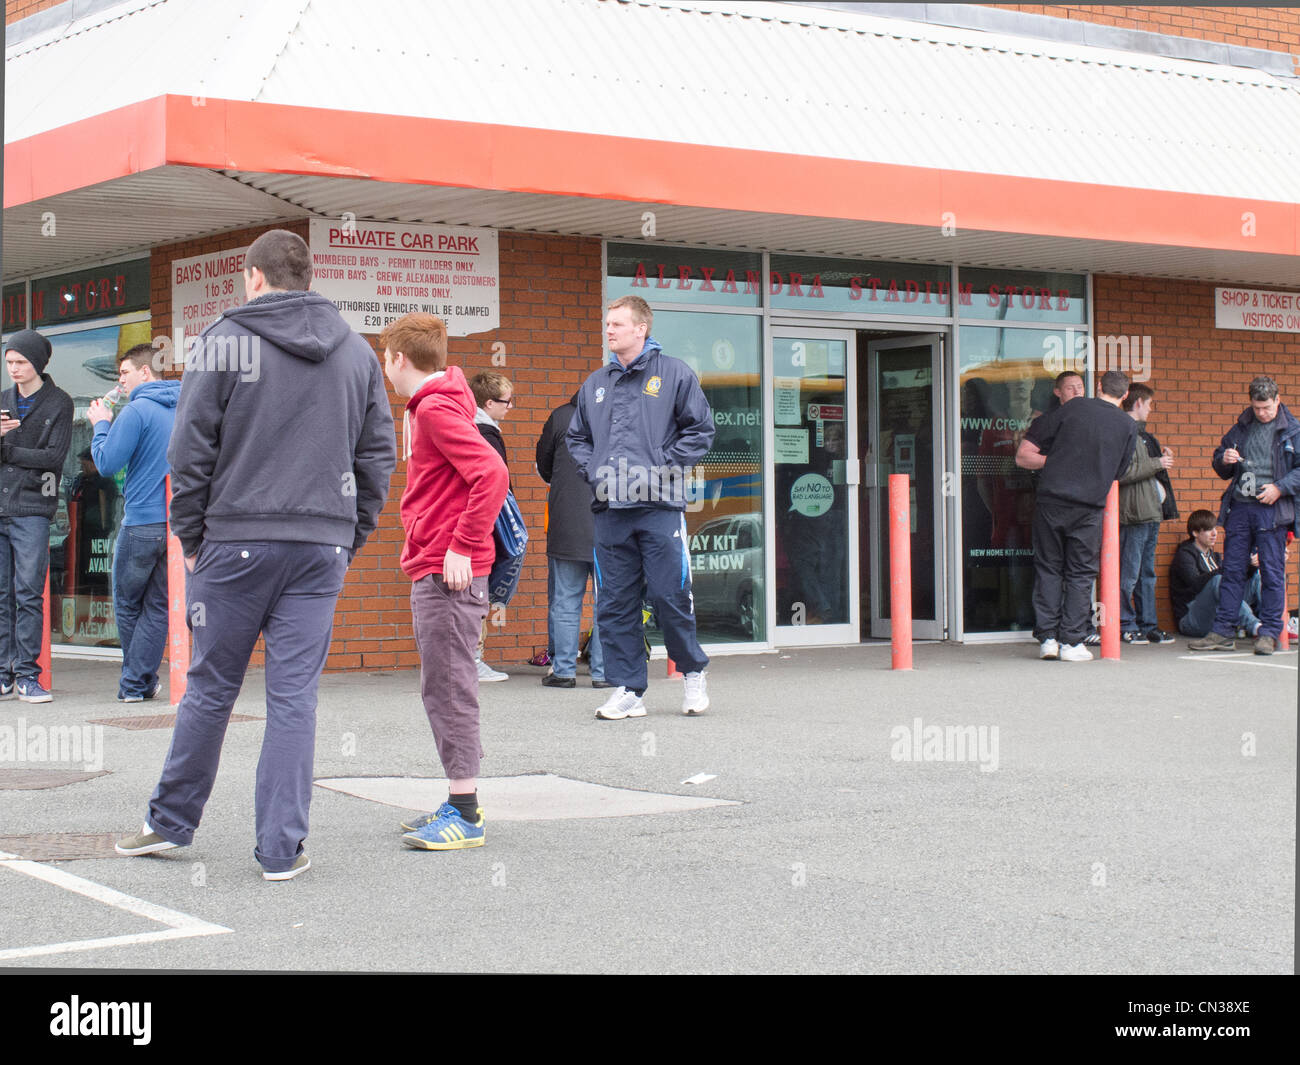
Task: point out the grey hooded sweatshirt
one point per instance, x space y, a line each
283 430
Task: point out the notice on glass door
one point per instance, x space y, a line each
786 401
790 446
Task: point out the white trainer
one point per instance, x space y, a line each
620 704
696 698
1075 652
1049 649
486 674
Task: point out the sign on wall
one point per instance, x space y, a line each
378 271
205 287
1257 310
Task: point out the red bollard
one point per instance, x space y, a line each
43 660
900 570
673 672
178 635
1109 626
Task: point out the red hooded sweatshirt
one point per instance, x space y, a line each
455 481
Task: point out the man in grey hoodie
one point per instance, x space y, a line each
281 457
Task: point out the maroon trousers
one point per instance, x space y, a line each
447 626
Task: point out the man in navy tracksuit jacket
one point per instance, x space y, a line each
137 439
1260 457
641 424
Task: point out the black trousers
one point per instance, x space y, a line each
1067 554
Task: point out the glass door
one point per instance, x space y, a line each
905 374
815 478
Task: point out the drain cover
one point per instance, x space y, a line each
61 846
36 779
157 721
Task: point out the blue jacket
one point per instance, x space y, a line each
1286 464
137 439
636 431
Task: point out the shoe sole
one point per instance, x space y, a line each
569 682
288 874
1220 647
695 711
494 680
35 698
133 852
619 717
454 845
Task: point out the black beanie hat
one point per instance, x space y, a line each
31 346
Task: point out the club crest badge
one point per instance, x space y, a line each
653 385
600 395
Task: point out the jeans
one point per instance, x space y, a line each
24 561
1137 576
1200 611
140 604
566 584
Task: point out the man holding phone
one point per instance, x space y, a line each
1260 457
35 433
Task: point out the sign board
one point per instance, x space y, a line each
205 287
1257 310
376 272
831 412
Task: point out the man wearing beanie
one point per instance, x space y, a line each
35 431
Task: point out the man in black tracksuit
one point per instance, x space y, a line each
1081 448
641 424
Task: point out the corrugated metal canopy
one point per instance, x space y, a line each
807 82
768 76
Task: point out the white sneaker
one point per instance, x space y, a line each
486 674
1050 649
696 699
1075 652
620 704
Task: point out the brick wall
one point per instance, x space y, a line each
1200 375
549 340
1276 29
19 9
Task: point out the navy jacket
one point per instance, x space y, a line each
570 526
283 430
1286 464
637 430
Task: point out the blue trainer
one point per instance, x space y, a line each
448 831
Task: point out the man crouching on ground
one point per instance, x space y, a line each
455 485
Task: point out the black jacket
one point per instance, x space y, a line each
32 456
1286 464
1188 575
570 527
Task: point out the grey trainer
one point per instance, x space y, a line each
1213 642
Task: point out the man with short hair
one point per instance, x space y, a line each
35 434
1081 448
281 455
1194 578
641 424
136 437
1260 458
1067 386
455 485
1146 498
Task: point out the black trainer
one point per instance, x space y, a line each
552 681
1159 636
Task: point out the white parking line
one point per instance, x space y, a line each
1246 658
179 925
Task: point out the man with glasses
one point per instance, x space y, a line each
495 396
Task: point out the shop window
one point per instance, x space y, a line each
1022 296
1006 382
725 521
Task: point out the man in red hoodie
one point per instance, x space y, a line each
455 485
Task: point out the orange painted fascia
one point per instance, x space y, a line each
284 139
124 141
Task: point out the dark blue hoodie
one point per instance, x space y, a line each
283 430
137 438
